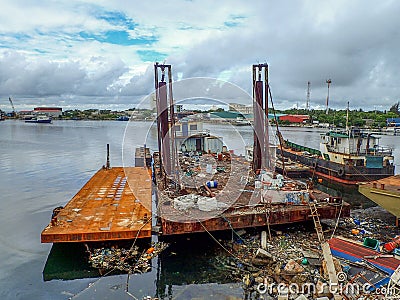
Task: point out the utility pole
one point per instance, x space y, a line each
328 81
347 117
308 96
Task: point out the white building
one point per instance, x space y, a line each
241 108
53 112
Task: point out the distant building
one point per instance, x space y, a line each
23 113
241 108
227 115
393 122
53 112
295 118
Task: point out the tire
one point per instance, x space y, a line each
341 172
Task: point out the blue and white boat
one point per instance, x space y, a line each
39 119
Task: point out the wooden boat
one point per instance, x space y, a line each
384 192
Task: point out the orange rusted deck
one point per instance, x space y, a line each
384 192
114 204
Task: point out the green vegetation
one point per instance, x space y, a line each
359 118
106 114
356 117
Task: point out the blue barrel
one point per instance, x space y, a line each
212 184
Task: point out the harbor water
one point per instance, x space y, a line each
44 165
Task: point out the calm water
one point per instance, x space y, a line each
43 166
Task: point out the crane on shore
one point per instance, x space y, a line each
14 113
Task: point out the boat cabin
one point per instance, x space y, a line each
191 136
354 148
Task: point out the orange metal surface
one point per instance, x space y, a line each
390 184
335 178
114 204
252 217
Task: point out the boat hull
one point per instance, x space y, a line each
385 193
38 121
339 173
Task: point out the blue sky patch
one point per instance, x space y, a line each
151 55
118 37
117 18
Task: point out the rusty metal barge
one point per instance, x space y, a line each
115 204
202 189
206 190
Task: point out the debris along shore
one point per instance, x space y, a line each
133 260
291 264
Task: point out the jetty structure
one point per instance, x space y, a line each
203 187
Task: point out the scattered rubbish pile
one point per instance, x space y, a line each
203 203
291 257
374 222
125 260
291 264
201 171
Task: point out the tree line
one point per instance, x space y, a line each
357 117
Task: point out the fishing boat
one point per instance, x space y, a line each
240 122
123 118
39 119
345 157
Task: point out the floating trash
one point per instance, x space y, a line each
125 260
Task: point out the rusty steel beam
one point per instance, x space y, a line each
261 156
228 221
165 134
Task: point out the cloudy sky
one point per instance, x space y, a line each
100 53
